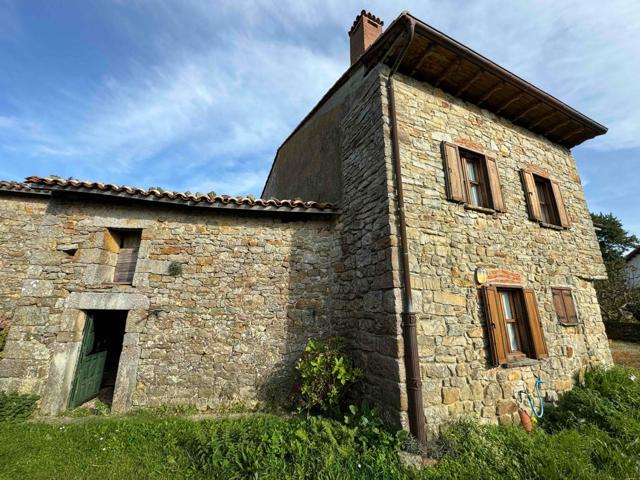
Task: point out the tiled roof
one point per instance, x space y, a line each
182 198
19 187
634 252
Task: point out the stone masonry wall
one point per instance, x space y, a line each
20 216
448 242
253 289
367 303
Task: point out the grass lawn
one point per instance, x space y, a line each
626 354
593 433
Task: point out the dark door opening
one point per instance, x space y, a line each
99 358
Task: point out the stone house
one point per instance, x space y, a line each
450 242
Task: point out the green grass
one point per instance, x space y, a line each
593 433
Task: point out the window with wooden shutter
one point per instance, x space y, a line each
513 324
544 200
472 178
128 248
564 306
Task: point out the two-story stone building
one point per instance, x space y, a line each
451 243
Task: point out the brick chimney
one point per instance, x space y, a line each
364 31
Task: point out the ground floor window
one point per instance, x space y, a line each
513 323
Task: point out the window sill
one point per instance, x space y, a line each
489 211
551 226
569 324
525 362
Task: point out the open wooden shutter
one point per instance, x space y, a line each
495 325
453 173
539 348
531 194
562 211
494 184
558 305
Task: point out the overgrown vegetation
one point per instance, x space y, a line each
592 433
618 302
16 406
4 331
325 375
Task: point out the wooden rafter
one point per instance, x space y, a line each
511 101
543 119
557 127
571 134
447 71
424 57
469 83
486 96
527 111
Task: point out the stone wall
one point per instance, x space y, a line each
448 242
351 125
254 287
20 216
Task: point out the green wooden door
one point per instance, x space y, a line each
88 377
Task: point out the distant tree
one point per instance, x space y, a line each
618 301
614 240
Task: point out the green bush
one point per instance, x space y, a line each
325 374
16 406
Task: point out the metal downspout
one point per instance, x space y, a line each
409 333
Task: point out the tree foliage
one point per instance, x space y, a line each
618 301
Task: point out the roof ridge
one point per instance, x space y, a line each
157 193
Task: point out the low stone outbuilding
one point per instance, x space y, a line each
451 244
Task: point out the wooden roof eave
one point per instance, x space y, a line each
577 127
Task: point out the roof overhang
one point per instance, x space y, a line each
445 63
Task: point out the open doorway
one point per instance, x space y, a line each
99 357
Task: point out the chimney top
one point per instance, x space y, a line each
365 30
369 15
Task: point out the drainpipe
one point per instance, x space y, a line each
409 333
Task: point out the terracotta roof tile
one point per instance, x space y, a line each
198 199
18 187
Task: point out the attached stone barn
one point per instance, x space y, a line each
449 241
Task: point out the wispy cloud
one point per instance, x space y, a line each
221 83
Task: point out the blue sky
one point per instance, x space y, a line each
197 95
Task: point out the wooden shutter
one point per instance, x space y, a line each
531 194
569 307
494 184
538 346
558 305
562 211
453 173
495 325
127 258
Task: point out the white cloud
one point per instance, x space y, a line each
230 80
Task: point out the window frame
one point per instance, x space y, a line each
547 201
458 184
520 322
479 162
533 344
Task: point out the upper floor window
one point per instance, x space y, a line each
128 246
544 201
472 178
513 323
